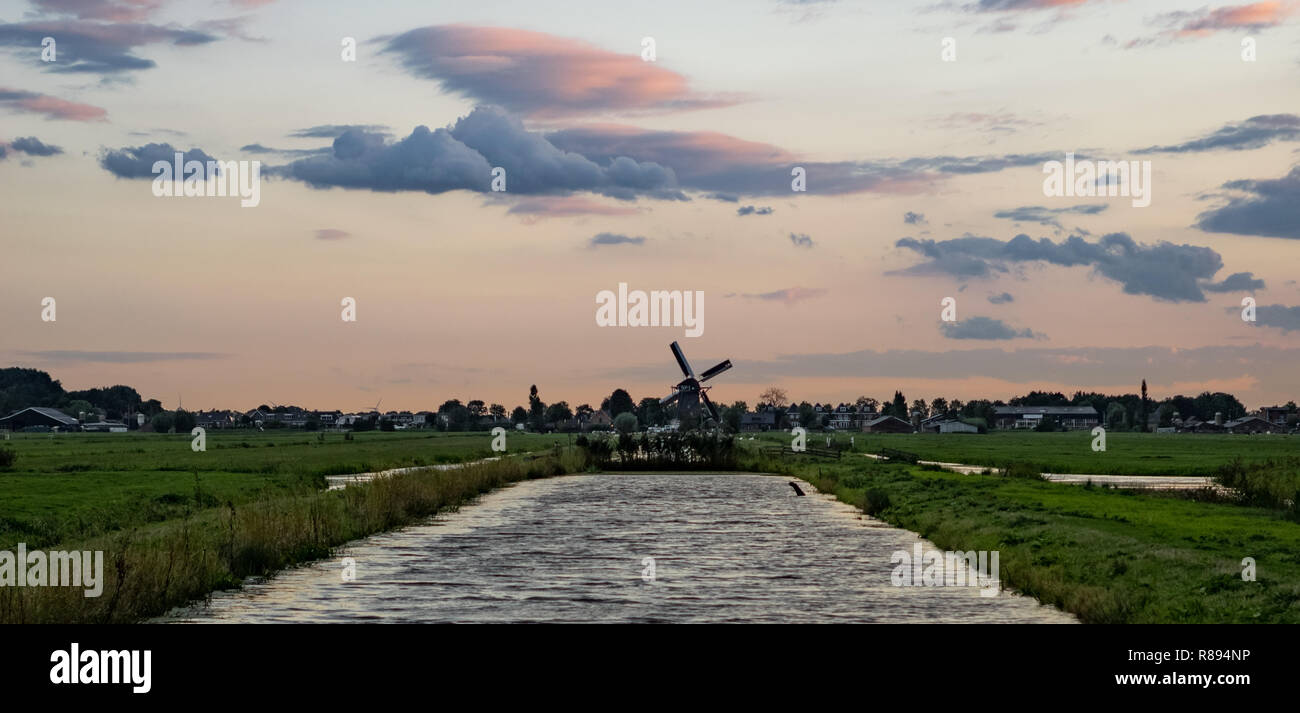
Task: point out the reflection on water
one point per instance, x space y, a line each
726 548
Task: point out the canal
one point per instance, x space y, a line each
722 548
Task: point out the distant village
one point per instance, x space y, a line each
120 409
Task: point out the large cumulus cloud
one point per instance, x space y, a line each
462 158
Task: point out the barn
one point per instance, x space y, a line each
887 424
39 416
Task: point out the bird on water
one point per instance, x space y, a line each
797 491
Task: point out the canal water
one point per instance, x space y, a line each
725 548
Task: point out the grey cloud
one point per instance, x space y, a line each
1047 216
1081 367
614 239
751 210
1236 282
911 218
1001 299
1252 133
333 131
462 158
1281 316
983 328
32 146
800 240
1269 208
1165 271
138 161
96 47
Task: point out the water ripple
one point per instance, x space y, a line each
727 548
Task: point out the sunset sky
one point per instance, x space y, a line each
672 174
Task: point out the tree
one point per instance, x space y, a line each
807 416
1142 415
650 412
456 416
558 412
1116 416
867 403
775 397
163 422
583 411
619 402
731 418
899 407
939 406
476 408
625 422
956 405
497 410
536 409
183 421
519 415
919 406
78 408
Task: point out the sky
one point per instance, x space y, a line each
923 131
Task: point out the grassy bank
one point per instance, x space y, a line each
1071 452
150 569
75 486
1107 556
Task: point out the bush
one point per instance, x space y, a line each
1271 484
900 456
1021 469
625 422
7 457
875 501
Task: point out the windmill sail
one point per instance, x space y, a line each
681 361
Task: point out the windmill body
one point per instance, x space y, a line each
694 409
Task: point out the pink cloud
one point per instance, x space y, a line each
535 209
1205 22
111 10
1255 16
52 107
790 295
538 74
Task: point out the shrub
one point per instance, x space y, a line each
1272 484
7 457
875 501
902 456
1021 469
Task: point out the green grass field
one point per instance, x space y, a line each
1108 556
1071 452
74 486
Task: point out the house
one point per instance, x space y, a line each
1250 424
843 418
887 424
598 419
39 417
1066 417
760 421
947 425
209 420
956 426
1275 415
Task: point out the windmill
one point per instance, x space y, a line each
689 394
